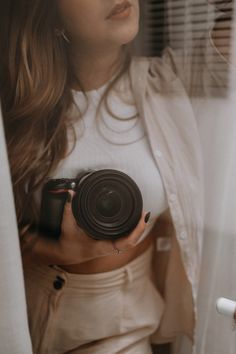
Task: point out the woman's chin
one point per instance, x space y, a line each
125 30
126 35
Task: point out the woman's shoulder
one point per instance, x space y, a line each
159 72
161 67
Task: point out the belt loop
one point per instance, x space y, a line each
129 276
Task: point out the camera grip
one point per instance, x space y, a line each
51 213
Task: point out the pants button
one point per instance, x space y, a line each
58 283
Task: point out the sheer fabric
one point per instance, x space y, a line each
14 334
215 114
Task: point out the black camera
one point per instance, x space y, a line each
107 204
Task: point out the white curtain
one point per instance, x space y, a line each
218 276
217 126
14 334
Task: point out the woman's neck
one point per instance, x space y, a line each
93 70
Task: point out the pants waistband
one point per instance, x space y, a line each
136 269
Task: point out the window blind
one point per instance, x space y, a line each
186 25
176 22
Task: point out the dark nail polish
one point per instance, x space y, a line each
68 198
147 217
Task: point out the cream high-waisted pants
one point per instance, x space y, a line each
106 313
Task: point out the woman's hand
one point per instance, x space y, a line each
77 247
74 245
221 33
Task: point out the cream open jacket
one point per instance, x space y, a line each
168 92
172 131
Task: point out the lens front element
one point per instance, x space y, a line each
108 203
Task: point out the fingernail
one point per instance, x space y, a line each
147 217
68 198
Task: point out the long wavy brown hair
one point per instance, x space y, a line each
35 78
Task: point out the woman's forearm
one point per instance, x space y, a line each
39 249
74 246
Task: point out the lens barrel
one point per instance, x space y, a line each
107 205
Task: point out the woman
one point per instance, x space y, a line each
74 100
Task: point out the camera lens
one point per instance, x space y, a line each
107 204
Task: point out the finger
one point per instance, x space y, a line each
132 239
140 228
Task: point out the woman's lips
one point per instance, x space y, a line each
120 11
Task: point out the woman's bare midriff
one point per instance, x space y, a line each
111 262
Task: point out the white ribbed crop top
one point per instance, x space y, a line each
121 144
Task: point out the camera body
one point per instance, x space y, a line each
107 204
